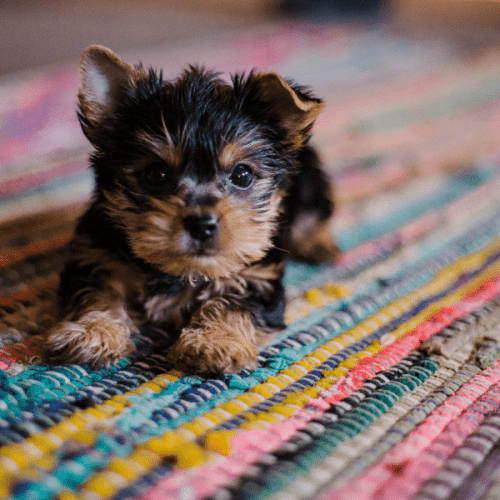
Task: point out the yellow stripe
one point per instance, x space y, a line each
33 450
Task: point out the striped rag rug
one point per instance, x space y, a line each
345 404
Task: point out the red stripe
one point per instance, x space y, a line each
28 294
11 257
368 367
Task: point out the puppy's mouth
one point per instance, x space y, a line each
202 251
195 248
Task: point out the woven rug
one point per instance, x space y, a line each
344 404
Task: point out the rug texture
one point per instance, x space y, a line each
344 404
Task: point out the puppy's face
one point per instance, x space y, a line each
192 170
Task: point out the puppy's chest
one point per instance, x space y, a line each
168 299
171 300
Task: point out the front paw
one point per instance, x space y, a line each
97 338
201 352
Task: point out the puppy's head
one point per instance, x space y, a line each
192 170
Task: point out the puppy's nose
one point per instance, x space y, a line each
201 227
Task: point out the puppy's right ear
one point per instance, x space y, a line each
105 79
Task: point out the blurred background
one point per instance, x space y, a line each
411 85
35 33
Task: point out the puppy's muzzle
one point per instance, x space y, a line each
201 227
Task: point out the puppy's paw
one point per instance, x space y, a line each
97 338
207 352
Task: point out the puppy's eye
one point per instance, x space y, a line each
241 176
155 176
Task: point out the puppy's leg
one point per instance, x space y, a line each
223 334
219 339
96 325
98 334
309 207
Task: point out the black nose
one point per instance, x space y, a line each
201 227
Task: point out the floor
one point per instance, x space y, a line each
35 33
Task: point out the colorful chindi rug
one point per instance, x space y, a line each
345 403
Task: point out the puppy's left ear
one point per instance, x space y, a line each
105 80
294 109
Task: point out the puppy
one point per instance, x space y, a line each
203 189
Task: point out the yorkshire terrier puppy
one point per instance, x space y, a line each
204 189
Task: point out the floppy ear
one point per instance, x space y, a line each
295 110
104 81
